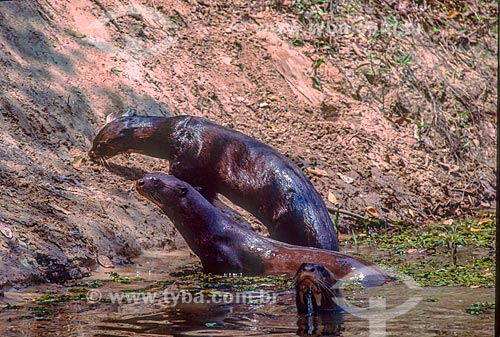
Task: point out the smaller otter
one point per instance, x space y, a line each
315 289
316 294
224 246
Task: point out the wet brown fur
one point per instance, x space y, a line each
219 160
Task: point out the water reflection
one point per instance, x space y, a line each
323 324
226 320
188 320
441 312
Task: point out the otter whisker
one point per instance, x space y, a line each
324 283
327 287
156 198
328 290
105 163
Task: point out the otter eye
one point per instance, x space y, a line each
309 268
153 180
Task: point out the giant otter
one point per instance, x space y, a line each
315 289
248 172
225 247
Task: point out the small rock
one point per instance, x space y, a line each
60 209
105 261
226 60
345 178
6 231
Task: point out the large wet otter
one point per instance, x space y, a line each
225 247
219 160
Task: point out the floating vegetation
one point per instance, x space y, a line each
39 313
476 273
435 236
91 284
199 281
58 298
428 254
115 277
480 308
431 299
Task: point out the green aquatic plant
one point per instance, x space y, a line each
431 299
115 277
479 233
239 283
477 272
429 254
91 284
480 308
59 298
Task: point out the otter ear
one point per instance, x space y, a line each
120 113
183 191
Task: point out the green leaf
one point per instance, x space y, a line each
318 63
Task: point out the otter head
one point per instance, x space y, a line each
315 289
125 134
162 189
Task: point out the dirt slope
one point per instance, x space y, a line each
414 139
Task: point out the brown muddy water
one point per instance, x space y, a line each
396 309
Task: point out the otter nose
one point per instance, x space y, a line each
93 156
140 182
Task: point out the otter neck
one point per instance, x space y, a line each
153 137
198 221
